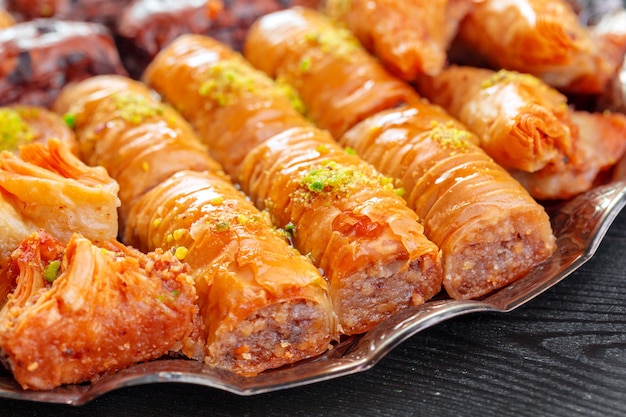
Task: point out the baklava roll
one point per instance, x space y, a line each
348 218
79 310
223 98
521 122
490 230
410 37
539 37
263 304
340 82
345 215
21 125
121 126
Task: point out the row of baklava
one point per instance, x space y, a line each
361 199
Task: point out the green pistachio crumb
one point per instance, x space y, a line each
51 271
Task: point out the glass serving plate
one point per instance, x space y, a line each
579 224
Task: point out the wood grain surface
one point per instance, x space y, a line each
562 354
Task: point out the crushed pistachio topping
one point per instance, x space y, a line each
288 231
216 201
506 76
350 151
337 41
222 226
223 222
229 79
286 89
334 178
51 271
290 227
70 120
14 131
450 137
170 296
305 64
135 108
157 222
322 149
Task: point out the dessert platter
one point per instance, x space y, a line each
254 196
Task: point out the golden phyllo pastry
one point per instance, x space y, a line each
262 303
528 128
222 98
120 126
80 311
483 221
337 208
521 122
350 219
410 37
21 125
49 187
543 38
490 230
326 64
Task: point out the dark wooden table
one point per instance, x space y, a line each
562 354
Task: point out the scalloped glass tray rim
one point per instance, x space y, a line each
579 224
